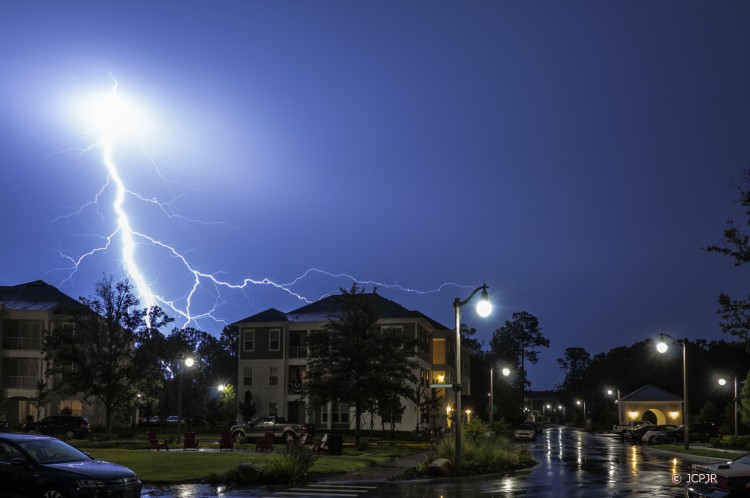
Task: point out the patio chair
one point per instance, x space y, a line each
226 442
154 444
266 443
190 442
302 439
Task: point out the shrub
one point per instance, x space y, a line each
483 455
291 466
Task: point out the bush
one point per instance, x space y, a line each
290 467
739 442
483 455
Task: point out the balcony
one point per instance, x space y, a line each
297 352
20 382
22 343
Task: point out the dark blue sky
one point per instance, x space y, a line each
575 156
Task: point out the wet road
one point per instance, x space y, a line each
572 464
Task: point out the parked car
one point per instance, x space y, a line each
44 466
282 429
172 419
64 425
4 426
651 435
635 434
731 479
702 431
525 431
623 429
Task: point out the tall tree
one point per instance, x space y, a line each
574 365
735 313
100 358
517 342
353 361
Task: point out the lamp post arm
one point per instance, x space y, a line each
458 303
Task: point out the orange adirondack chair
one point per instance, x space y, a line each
226 442
154 444
190 442
266 443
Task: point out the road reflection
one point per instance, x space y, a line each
572 463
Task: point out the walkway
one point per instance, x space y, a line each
384 472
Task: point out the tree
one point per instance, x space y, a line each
99 357
353 361
574 365
247 406
744 401
735 313
39 399
517 342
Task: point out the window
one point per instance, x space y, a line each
273 409
249 342
297 374
274 340
438 351
247 376
273 376
397 331
22 334
339 413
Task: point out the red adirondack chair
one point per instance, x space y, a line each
154 444
190 442
266 443
226 442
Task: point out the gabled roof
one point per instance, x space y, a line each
323 309
650 393
36 296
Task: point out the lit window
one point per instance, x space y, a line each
273 376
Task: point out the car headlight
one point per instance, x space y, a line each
90 483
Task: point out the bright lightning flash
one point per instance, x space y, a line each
115 120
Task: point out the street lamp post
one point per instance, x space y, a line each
188 362
723 382
610 392
484 308
505 371
578 402
662 347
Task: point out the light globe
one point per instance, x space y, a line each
662 347
506 371
189 362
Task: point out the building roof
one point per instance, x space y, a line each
650 393
329 306
35 296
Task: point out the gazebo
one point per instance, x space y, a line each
652 404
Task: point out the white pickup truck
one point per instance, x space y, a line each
257 428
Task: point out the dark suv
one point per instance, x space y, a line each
65 425
702 431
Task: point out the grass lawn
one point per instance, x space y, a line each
170 467
698 451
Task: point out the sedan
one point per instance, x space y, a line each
525 431
656 432
33 466
720 480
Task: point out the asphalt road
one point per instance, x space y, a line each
572 464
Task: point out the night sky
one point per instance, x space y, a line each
575 156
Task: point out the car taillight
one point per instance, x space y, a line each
722 483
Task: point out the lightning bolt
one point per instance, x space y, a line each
112 118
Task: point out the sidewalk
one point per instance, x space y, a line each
383 472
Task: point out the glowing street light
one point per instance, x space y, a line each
188 362
484 308
662 347
723 382
506 372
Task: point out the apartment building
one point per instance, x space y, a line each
28 312
273 361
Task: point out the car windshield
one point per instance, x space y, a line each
52 451
744 459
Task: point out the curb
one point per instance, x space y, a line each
731 454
